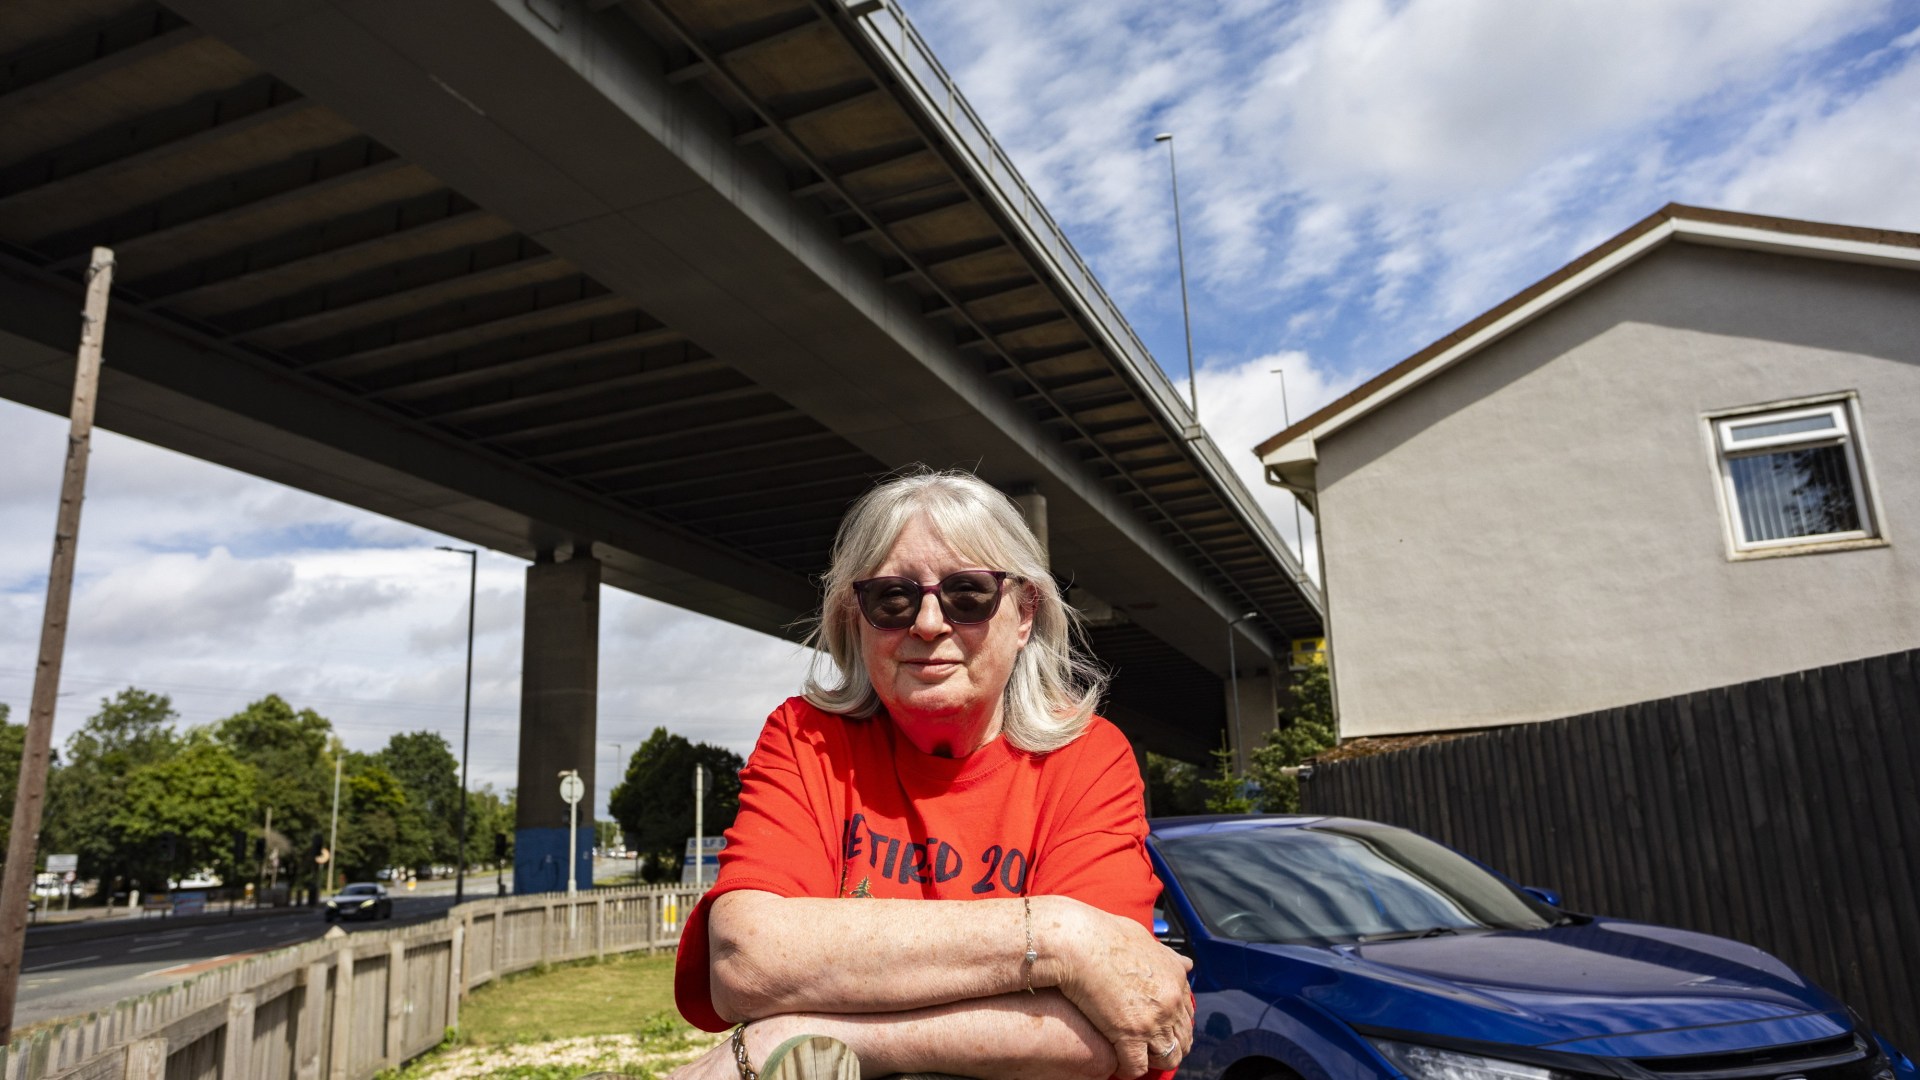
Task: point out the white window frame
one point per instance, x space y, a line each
1844 432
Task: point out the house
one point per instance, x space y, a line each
1689 458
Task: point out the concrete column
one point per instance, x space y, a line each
1033 507
1255 691
559 687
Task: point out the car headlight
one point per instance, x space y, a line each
333 903
366 903
1431 1063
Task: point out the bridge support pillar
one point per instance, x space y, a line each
559 691
1255 692
1033 507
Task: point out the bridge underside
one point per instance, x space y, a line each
668 282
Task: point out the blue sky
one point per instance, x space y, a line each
1357 178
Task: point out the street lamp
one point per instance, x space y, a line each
1180 249
466 719
1233 676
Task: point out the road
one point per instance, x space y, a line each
65 978
62 977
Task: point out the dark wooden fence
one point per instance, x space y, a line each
1782 812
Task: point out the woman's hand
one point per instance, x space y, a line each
1127 984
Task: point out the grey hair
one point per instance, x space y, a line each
1054 686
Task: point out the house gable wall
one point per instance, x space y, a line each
1537 532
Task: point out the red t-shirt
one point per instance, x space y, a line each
832 806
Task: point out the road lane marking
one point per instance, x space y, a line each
161 945
195 966
58 964
230 933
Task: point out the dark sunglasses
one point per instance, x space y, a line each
966 598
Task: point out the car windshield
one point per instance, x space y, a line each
360 890
1345 882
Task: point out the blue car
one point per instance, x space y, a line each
1335 949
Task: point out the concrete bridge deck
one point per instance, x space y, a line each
656 285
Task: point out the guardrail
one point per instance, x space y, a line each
343 1007
913 61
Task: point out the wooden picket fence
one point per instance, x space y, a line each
343 1008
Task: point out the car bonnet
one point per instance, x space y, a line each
1599 981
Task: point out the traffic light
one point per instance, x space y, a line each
499 847
315 847
260 849
239 848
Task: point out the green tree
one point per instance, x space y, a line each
430 775
291 753
87 797
488 815
378 829
13 745
1174 786
654 803
180 814
1305 728
1226 789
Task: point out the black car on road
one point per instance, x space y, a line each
360 900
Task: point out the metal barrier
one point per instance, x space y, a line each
907 55
343 1008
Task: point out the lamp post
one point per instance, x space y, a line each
1286 421
1180 250
1233 677
466 719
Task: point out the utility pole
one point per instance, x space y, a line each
333 833
699 826
1286 421
466 720
1180 249
31 792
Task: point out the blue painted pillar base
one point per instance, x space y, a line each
540 860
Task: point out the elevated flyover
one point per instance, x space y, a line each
650 289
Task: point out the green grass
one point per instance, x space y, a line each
616 996
618 1012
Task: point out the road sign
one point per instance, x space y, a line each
62 864
68 877
572 788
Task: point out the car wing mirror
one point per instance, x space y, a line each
1164 932
1545 896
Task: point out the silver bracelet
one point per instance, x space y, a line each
1032 957
740 1054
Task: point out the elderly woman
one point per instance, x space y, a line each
954 758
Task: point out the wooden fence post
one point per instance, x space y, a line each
147 1060
396 1002
237 1062
310 1032
599 928
340 1040
456 973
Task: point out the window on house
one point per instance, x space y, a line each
1793 476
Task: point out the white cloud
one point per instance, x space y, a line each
1240 406
1855 164
207 585
1359 176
